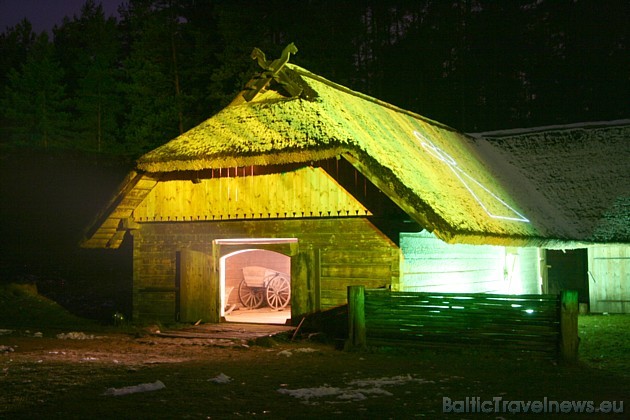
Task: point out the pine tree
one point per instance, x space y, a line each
154 92
89 47
35 102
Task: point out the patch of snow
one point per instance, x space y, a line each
75 336
6 349
147 387
357 390
221 378
288 353
352 396
5 332
393 380
308 393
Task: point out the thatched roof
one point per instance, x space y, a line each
574 179
401 152
439 176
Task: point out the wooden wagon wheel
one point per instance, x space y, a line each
250 297
278 292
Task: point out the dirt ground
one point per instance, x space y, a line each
55 365
102 375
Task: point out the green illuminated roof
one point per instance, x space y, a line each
448 182
430 170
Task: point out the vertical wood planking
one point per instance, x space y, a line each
298 193
609 272
196 288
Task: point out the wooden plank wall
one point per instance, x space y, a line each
195 287
609 279
433 265
520 322
303 192
522 270
343 251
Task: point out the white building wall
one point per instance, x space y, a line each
431 265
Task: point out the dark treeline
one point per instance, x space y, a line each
126 85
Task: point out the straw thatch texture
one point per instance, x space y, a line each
430 170
575 179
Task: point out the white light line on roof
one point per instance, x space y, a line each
452 164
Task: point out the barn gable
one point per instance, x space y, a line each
236 195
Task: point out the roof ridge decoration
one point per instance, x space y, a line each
276 76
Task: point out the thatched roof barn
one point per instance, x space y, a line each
464 190
441 178
330 178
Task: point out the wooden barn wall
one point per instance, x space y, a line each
609 279
430 264
337 251
298 193
522 270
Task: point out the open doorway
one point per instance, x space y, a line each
568 270
256 287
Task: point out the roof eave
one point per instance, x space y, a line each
281 157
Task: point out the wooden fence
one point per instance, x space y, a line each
543 324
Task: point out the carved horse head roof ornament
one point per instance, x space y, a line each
275 73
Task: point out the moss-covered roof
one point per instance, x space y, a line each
439 176
574 179
432 171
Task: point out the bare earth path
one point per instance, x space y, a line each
77 377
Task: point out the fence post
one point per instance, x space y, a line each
569 325
356 317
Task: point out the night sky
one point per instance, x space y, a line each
44 14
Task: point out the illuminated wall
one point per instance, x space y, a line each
432 265
609 279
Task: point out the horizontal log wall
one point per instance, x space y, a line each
341 252
433 265
519 322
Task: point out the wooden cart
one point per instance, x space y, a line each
261 284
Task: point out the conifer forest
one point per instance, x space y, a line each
125 84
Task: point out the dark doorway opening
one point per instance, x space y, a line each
568 270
